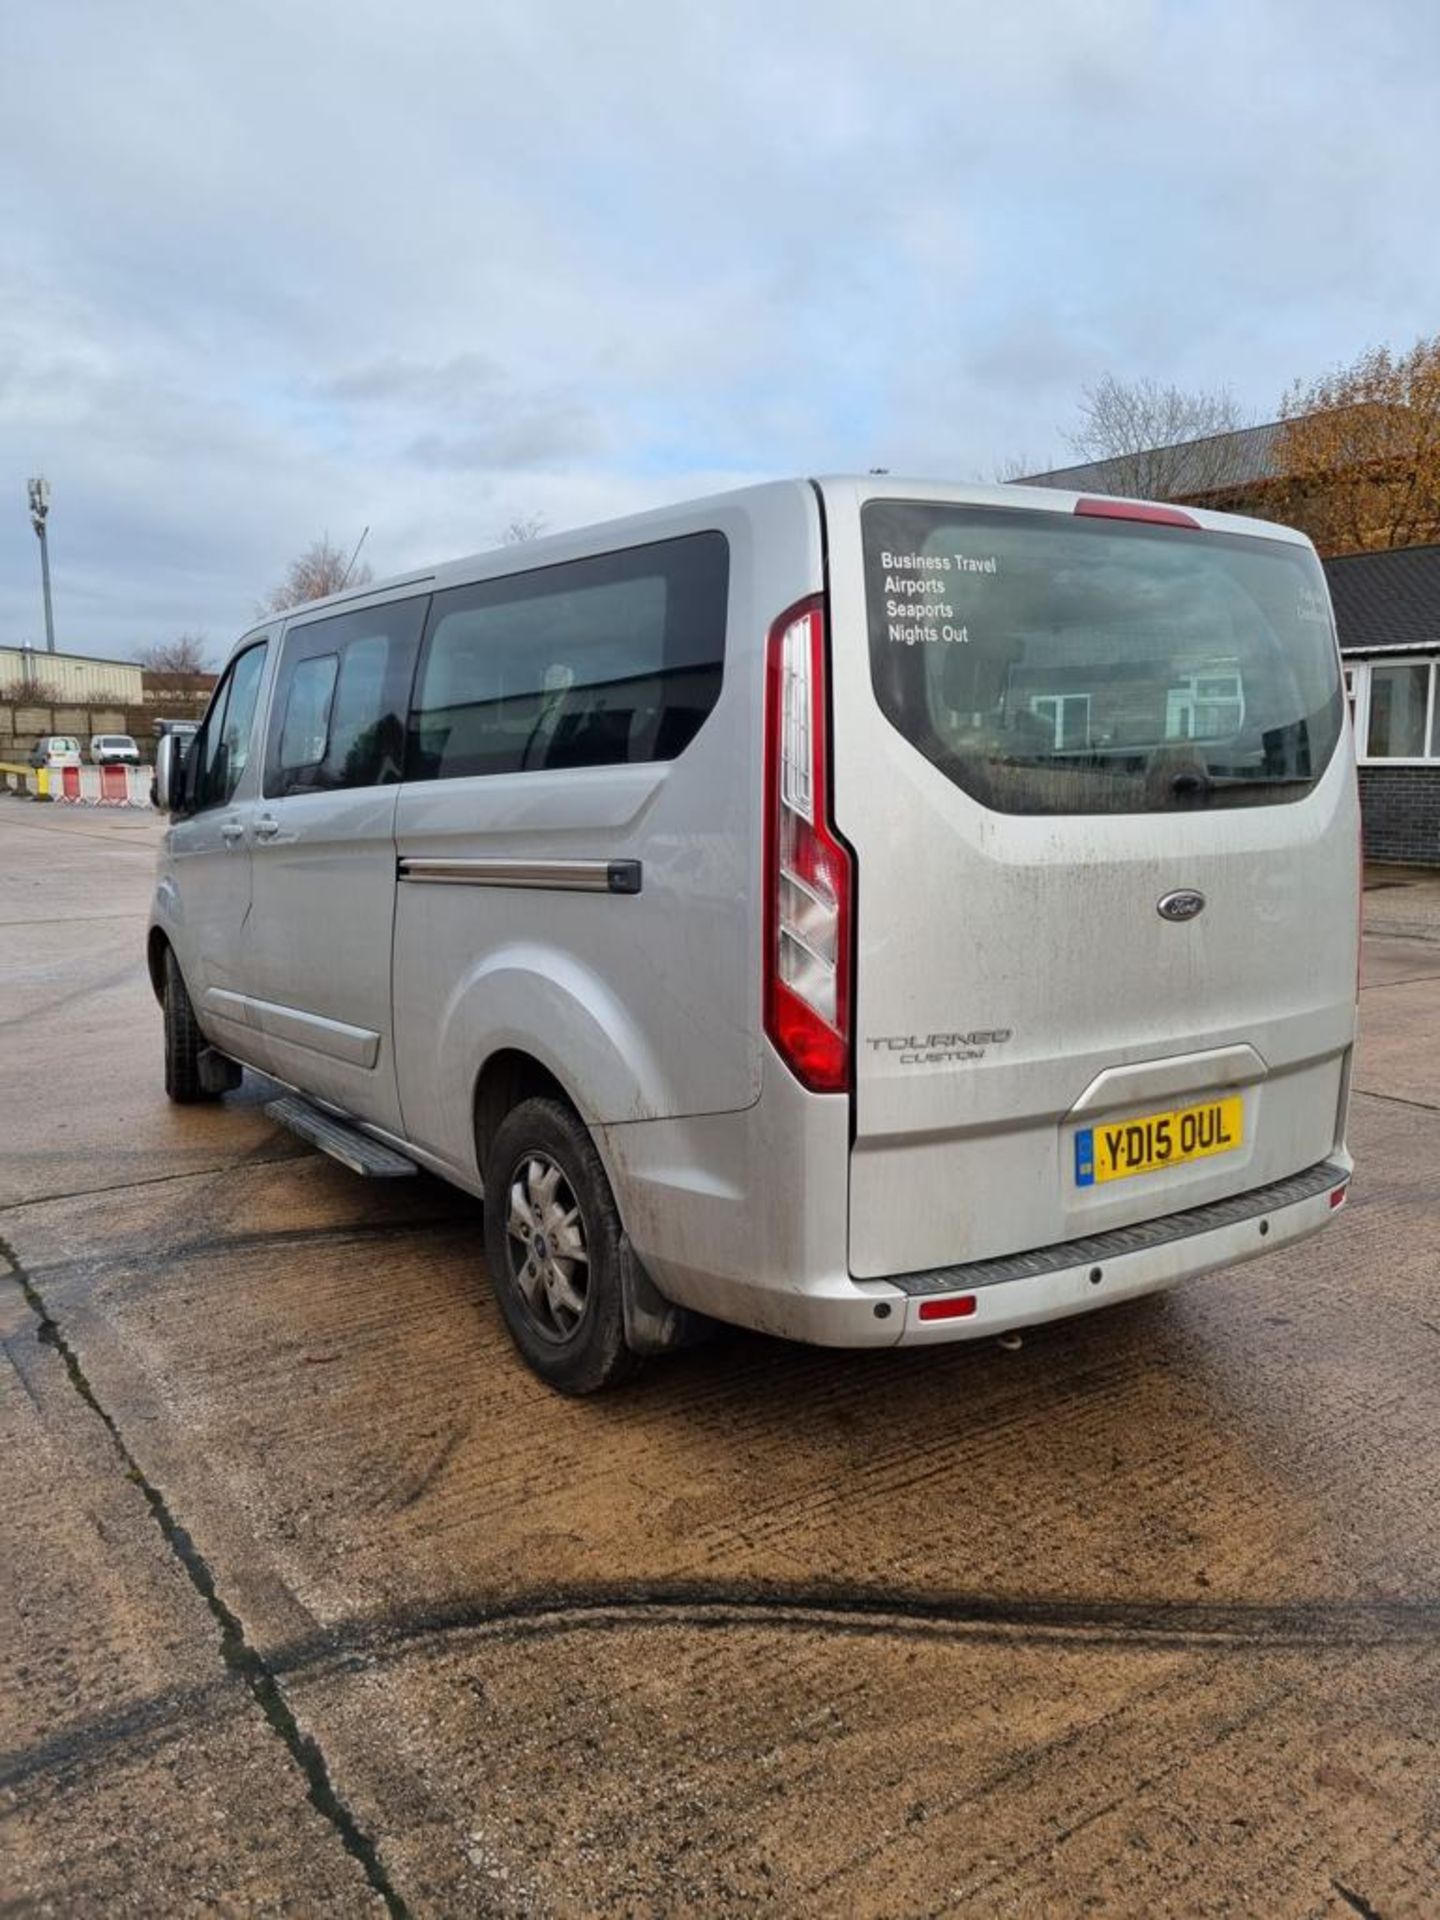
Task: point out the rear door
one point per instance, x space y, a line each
1051 728
318 939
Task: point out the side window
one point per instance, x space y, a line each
306 725
207 745
592 663
228 726
337 719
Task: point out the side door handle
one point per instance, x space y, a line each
232 832
266 827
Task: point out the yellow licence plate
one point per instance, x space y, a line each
1119 1148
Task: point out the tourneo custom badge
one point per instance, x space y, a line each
1184 904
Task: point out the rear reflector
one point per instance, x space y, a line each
1133 510
1337 1197
959 1308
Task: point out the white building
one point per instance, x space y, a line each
76 678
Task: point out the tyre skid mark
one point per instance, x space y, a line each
835 1612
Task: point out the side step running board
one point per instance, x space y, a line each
351 1148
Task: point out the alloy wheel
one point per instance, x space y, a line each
545 1238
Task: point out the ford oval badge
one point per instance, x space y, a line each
1183 904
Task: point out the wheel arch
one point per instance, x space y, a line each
507 1077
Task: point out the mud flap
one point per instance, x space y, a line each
216 1072
654 1324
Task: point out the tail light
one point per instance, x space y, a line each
809 874
1359 903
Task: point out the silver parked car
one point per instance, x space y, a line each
873 912
55 750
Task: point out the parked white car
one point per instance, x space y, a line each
55 750
874 912
113 750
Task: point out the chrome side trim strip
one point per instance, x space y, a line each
566 876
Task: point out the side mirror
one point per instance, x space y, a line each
169 784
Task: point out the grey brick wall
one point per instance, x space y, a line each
21 726
1400 807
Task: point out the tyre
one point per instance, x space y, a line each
554 1245
184 1041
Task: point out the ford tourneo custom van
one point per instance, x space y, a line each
869 911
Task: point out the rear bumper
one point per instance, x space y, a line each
1022 1290
1053 1282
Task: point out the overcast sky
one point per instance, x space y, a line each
286 267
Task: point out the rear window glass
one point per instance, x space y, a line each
1053 664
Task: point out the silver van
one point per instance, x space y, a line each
873 912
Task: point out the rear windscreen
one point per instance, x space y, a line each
1052 664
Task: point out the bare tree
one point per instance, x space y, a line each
522 527
1158 442
1016 468
31 693
185 654
323 568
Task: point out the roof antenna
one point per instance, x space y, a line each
353 558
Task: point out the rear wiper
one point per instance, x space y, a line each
1228 783
1193 786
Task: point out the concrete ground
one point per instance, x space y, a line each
316 1603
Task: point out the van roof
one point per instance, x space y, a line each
659 522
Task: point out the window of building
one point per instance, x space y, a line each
1069 714
1400 711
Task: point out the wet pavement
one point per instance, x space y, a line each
316 1602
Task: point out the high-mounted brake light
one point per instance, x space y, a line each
809 873
1132 510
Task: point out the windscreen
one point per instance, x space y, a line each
1049 663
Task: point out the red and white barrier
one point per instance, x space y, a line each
101 786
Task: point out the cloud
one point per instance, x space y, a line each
302 268
461 381
531 437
